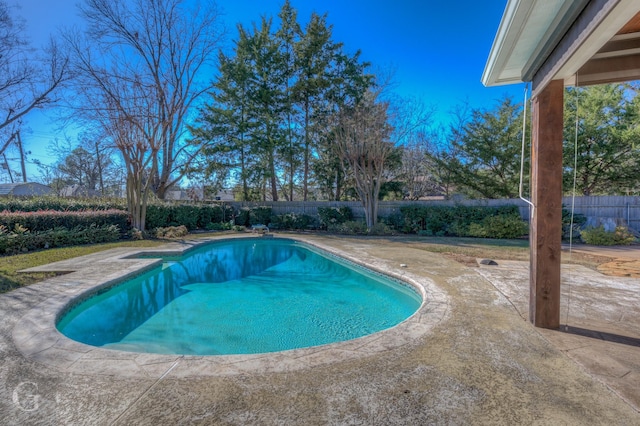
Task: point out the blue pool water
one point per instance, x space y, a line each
241 297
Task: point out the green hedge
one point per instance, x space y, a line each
331 216
600 237
248 216
293 221
24 240
193 216
462 221
40 221
33 204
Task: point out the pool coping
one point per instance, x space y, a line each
37 338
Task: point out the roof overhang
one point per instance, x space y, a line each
543 40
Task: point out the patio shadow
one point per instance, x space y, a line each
601 335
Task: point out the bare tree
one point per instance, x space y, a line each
419 173
363 138
412 121
139 67
86 161
28 78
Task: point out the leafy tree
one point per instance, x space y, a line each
608 158
482 156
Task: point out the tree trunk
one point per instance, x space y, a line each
272 178
100 170
305 190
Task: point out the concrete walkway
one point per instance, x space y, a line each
471 358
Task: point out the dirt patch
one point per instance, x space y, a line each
462 258
621 268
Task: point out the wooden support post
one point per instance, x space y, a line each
546 193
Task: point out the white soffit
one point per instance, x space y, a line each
525 28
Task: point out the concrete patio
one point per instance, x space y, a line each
472 357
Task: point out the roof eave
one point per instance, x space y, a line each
515 22
502 43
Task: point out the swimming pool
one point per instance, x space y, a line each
241 297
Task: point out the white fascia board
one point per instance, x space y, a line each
525 29
511 25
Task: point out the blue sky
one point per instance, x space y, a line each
437 48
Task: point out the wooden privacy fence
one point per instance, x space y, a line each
622 209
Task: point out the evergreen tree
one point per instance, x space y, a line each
314 54
288 35
348 84
608 156
272 103
483 157
225 121
267 93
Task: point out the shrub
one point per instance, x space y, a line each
48 219
24 241
329 216
219 226
292 221
380 228
463 221
214 214
193 216
248 216
157 216
33 204
260 216
504 227
350 227
395 221
185 215
600 237
578 220
477 230
172 232
136 234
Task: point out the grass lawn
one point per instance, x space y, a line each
10 278
463 250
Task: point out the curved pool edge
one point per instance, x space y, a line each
37 338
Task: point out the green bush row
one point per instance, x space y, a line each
33 204
293 221
45 220
600 237
331 216
248 216
353 227
22 240
461 221
193 216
